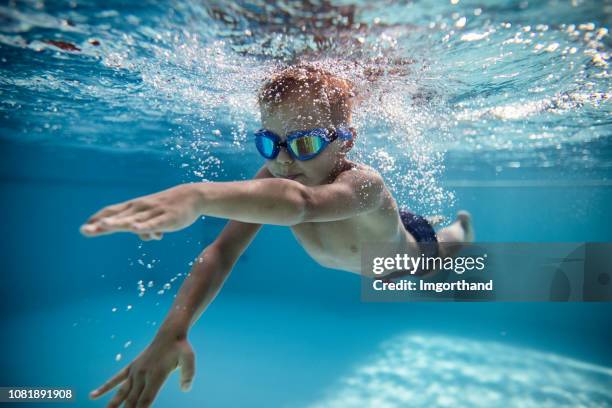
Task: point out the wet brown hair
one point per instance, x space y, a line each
308 81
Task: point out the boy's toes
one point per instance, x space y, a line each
465 218
435 220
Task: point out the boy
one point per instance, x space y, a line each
331 204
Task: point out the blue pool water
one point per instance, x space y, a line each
502 108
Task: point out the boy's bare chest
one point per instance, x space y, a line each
337 244
328 236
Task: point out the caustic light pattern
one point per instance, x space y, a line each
416 370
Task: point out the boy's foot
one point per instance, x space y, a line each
465 218
435 220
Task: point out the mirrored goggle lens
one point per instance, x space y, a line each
265 145
306 145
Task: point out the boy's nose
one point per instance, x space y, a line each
284 157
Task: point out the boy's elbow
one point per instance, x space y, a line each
303 204
218 257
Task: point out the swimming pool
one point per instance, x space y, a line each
502 108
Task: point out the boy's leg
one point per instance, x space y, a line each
453 236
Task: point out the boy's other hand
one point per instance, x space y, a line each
148 216
142 379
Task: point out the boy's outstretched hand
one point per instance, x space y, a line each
148 216
142 379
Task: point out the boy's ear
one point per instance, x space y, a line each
354 132
348 144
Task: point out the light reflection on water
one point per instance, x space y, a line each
512 83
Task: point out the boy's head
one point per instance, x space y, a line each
306 97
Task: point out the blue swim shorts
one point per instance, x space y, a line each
422 232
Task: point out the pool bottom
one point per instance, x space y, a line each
265 352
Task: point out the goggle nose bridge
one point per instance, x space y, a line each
325 135
287 149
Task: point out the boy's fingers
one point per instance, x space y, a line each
138 384
123 212
97 225
110 384
148 236
152 386
126 221
110 210
187 363
121 394
131 224
152 225
117 223
143 216
96 231
90 229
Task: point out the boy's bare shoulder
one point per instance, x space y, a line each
365 179
360 171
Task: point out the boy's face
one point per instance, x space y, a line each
302 114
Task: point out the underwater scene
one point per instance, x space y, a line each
500 108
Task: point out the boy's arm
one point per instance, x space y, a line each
207 276
287 202
210 271
262 201
170 348
353 192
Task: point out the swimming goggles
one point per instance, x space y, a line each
301 144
